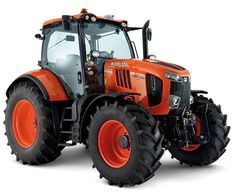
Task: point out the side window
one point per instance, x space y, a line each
62 44
62 55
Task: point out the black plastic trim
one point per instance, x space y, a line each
117 78
196 92
154 89
82 52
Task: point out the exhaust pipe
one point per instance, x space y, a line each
147 36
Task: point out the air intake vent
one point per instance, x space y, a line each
154 89
123 78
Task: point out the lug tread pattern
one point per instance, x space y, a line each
48 149
152 148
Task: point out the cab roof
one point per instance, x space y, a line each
81 15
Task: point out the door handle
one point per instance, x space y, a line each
79 77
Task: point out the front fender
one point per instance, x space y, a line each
91 107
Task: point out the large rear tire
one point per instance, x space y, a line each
124 143
29 126
206 154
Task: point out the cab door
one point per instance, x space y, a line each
61 55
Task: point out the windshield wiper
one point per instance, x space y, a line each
58 43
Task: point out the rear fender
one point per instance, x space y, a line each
46 81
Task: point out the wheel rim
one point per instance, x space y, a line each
24 123
110 136
198 133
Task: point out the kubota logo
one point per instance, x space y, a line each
120 64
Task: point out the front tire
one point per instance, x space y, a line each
29 126
124 163
206 154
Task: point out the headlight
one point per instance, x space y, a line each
177 78
93 19
174 101
123 24
174 77
95 54
191 99
86 17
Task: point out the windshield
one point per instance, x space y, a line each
109 39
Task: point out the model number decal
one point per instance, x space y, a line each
137 75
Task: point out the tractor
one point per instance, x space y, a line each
92 89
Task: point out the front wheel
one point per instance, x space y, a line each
206 154
124 144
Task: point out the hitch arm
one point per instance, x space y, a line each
205 135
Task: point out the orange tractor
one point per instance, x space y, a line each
93 89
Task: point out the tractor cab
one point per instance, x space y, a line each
76 47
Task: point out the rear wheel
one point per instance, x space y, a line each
206 154
29 126
124 143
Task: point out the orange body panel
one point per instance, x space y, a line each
53 86
138 70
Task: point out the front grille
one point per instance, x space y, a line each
183 90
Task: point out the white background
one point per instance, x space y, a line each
199 35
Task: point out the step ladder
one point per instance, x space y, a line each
66 128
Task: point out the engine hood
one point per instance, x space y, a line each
161 65
155 67
165 64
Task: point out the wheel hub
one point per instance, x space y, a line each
24 123
114 143
124 141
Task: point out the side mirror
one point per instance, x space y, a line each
66 22
39 36
149 34
70 38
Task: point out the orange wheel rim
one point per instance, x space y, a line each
198 133
110 136
24 123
